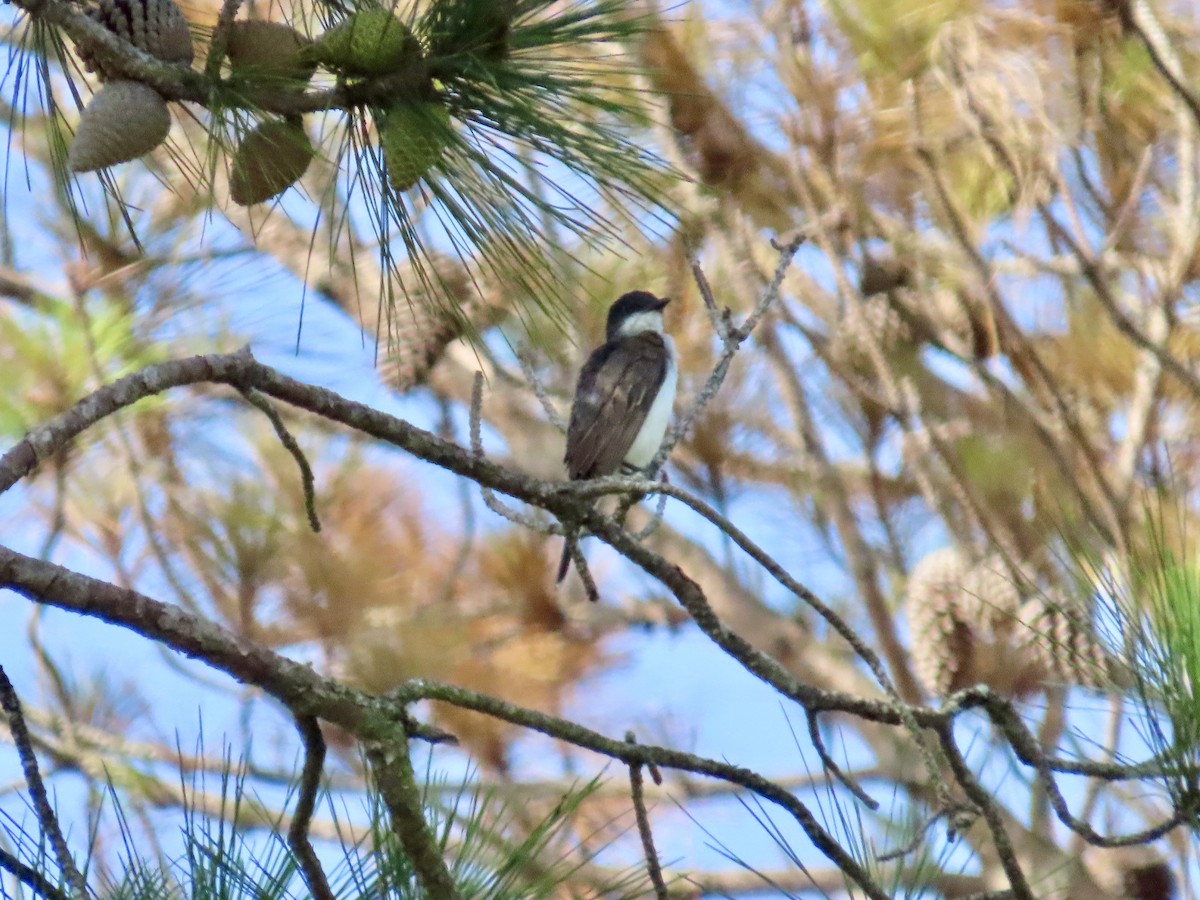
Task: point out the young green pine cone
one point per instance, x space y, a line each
370 42
413 137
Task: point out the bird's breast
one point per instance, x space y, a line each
654 428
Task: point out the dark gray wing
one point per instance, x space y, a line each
616 389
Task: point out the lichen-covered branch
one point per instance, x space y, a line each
397 784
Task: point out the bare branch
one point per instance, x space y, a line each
30 877
987 808
296 686
37 790
814 733
582 567
620 539
732 337
293 447
643 823
392 768
306 799
178 82
539 391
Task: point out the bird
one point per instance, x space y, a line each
624 396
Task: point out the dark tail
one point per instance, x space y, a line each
564 565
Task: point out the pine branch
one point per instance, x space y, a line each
310 785
397 784
37 789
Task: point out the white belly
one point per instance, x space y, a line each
650 438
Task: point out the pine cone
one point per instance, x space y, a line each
940 641
125 120
1133 873
1062 641
369 42
1152 881
422 326
413 137
887 273
989 596
273 50
269 160
156 26
969 626
871 322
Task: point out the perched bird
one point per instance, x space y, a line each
624 396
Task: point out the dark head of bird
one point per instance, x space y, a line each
629 305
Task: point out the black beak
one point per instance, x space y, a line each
662 304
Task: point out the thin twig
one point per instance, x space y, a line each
58 519
37 789
643 823
581 566
539 391
1012 727
30 877
656 517
490 500
717 318
259 402
1091 796
818 742
987 807
731 336
599 487
306 801
466 546
219 44
917 839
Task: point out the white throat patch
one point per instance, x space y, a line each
642 322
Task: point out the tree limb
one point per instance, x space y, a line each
306 799
37 789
